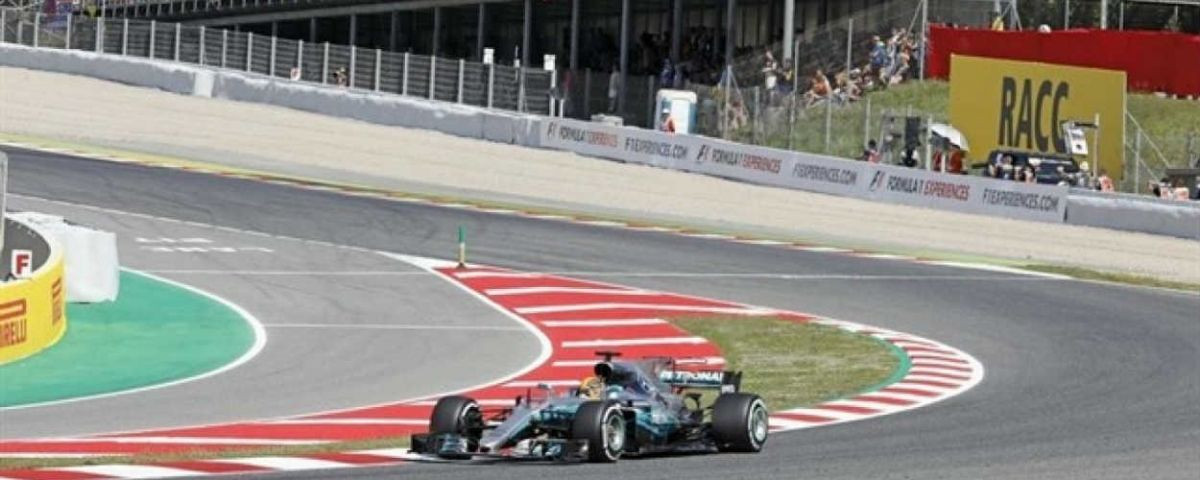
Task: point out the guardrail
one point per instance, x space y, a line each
32 309
434 78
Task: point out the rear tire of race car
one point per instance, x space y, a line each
602 424
459 415
739 422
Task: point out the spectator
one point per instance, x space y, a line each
614 89
667 123
1105 183
769 69
1028 175
997 22
666 78
1156 188
1180 191
340 78
871 153
818 90
294 74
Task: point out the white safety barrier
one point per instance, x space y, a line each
92 267
805 171
1136 213
142 72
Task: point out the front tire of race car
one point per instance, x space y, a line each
603 425
739 422
458 415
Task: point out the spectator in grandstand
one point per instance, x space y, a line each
1028 175
819 89
847 91
997 21
770 69
879 54
666 77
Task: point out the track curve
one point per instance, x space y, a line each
1084 380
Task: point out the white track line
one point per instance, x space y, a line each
638 306
132 471
498 292
629 322
180 440
350 421
286 463
389 326
629 342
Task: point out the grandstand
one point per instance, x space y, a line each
698 39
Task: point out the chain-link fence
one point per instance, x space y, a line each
434 78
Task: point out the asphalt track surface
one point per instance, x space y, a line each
1083 380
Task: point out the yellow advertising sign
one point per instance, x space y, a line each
1021 105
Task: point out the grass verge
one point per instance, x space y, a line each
792 364
379 443
1123 278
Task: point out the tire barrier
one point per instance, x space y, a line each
32 308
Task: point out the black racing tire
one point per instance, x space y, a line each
603 425
740 422
459 415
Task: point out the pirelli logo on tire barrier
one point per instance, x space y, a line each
1022 105
32 310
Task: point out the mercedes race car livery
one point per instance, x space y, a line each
626 408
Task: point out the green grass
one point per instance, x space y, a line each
379 443
1124 278
792 364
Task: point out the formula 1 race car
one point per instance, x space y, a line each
627 408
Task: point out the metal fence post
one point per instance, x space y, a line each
224 46
378 66
178 35
521 89
404 77
125 37
99 36
650 101
249 50
153 26
200 56
587 93
37 22
325 65
271 66
3 24
353 63
432 76
828 121
299 58
70 23
20 31
491 84
462 65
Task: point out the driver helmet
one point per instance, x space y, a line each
591 388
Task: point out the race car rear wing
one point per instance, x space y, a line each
725 380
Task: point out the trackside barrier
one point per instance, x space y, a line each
761 165
1130 212
805 171
93 272
380 108
33 309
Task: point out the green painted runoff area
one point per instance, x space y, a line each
154 333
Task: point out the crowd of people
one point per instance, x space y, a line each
888 63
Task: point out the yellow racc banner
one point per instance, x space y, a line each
1006 104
